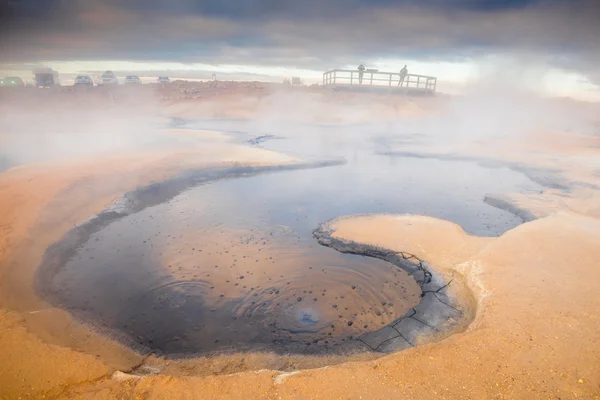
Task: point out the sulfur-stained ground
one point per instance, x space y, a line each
535 292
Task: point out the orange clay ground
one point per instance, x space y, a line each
536 291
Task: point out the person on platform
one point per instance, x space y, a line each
403 73
361 70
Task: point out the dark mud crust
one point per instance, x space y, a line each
506 204
435 315
260 139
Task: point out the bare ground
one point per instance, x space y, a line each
535 335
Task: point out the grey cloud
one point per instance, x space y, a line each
98 29
548 27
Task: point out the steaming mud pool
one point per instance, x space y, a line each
228 258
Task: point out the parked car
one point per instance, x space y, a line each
133 79
163 79
45 77
83 80
13 81
109 78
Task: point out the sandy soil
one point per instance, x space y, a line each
33 204
535 335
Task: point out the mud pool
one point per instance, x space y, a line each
231 264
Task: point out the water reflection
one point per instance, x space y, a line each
232 264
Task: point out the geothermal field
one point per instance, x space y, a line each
250 240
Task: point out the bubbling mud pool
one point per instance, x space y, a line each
231 264
175 288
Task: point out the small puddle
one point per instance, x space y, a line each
232 264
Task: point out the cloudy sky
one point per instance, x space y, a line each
554 41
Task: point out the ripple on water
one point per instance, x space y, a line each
238 289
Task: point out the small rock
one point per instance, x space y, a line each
122 376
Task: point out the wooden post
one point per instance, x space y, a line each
371 79
351 76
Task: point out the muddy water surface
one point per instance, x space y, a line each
232 264
182 289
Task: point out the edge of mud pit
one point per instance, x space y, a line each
59 253
437 315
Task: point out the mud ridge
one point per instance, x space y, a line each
260 139
506 204
58 254
147 196
436 315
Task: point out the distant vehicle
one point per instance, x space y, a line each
133 79
83 80
109 78
45 77
13 81
163 79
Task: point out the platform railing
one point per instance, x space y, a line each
372 78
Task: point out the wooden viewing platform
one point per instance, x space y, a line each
347 79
